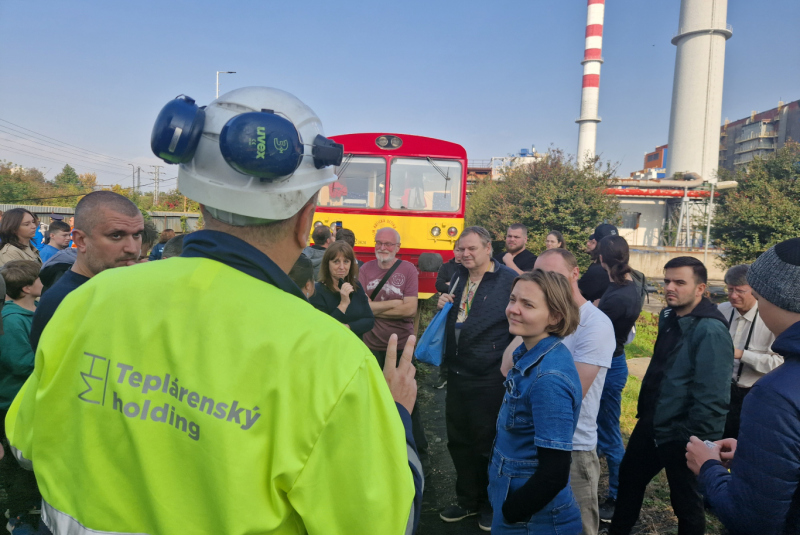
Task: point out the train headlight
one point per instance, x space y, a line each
452 232
396 141
435 231
317 223
382 141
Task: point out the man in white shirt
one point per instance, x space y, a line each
592 346
752 343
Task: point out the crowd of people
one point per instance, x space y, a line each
138 398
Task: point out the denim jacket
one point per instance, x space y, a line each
541 405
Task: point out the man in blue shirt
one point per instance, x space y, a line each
59 240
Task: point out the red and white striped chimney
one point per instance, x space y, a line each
590 94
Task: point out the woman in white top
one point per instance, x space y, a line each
17 229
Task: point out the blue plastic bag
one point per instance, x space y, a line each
430 348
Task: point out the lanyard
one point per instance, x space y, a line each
746 343
472 289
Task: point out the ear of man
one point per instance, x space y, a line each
303 224
79 238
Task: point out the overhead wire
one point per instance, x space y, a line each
62 142
14 149
67 156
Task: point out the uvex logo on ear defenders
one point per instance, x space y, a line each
260 144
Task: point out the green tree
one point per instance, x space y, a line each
763 210
67 177
554 194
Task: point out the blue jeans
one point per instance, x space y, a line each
559 517
609 437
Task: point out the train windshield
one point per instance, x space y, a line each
361 183
425 184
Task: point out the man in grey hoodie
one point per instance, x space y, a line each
321 237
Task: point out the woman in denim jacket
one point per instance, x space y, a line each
529 473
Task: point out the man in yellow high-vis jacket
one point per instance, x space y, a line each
203 394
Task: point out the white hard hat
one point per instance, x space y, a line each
255 154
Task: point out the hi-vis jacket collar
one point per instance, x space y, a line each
240 255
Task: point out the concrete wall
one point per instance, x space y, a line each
651 260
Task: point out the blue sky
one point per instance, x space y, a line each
492 76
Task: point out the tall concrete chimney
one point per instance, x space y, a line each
697 88
590 92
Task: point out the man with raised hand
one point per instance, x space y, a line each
167 410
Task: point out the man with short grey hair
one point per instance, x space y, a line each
477 333
752 343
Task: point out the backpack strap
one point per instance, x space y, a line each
385 278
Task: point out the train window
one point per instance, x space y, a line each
361 183
425 184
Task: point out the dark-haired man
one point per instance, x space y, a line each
685 393
322 238
477 333
108 234
348 236
516 257
59 240
594 282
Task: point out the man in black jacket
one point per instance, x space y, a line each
477 334
685 393
447 270
595 280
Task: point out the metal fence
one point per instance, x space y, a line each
177 221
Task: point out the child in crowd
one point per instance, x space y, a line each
529 471
16 364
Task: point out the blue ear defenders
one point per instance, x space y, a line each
260 144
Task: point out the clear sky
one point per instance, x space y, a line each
492 76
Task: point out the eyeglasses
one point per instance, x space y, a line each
741 292
385 244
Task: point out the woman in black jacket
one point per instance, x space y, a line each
338 292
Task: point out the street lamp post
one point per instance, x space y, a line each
222 72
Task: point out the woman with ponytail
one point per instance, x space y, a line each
622 303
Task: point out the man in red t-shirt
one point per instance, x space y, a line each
394 307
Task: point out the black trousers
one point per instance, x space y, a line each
417 429
20 484
472 406
641 463
735 413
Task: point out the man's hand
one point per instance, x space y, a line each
727 448
400 377
444 298
508 259
737 353
697 453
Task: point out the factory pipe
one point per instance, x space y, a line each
697 87
694 180
590 91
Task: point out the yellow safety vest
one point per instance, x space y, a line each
184 396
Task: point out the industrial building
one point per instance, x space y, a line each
740 141
758 135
